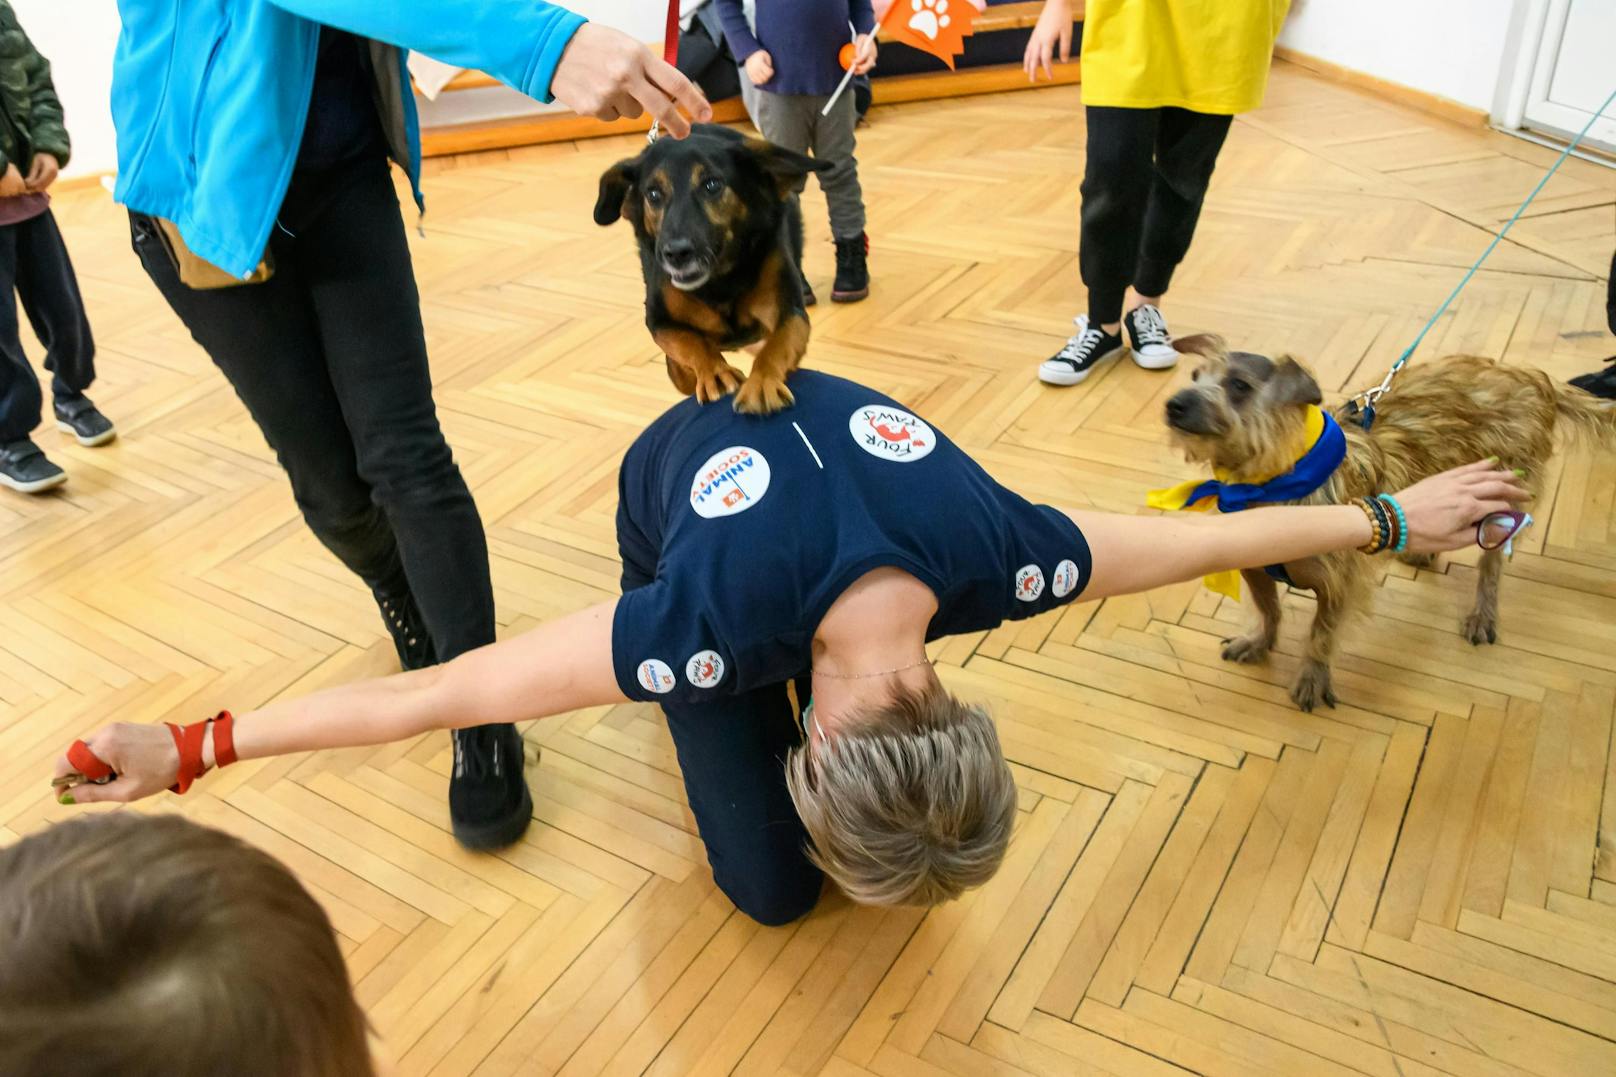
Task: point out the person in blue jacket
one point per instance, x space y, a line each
792 568
253 147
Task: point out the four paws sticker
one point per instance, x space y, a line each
1030 582
705 669
891 433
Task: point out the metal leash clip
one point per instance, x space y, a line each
654 133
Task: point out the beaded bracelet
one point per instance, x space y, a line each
1402 522
1388 523
1376 525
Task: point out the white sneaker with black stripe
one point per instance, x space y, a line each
1152 343
1082 351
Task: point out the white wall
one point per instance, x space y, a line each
78 37
642 19
1454 48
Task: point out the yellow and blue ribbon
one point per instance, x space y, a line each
1327 447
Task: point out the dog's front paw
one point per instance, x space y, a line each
1249 650
717 383
1418 560
1480 627
762 395
1312 686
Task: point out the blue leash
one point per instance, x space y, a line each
1365 402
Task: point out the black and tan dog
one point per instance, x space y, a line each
1243 414
720 236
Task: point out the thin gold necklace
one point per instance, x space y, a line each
861 676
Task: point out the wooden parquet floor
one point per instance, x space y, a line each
1420 881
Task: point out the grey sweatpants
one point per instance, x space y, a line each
793 122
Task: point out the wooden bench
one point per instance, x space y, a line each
565 126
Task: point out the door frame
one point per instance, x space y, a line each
1537 26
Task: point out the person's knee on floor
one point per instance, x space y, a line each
218 961
772 889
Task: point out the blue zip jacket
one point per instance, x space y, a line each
209 96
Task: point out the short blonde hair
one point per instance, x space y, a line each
911 805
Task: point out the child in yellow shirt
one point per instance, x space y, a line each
1162 81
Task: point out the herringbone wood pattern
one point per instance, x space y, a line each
1422 880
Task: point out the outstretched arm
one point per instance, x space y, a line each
1137 553
560 666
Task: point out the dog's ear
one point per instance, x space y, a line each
1206 345
616 184
788 169
1292 384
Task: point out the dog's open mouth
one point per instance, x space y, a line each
688 277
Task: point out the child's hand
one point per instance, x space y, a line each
12 184
43 173
1054 27
760 67
863 54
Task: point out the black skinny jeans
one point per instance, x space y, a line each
329 357
1143 184
34 262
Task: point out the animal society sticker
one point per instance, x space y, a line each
1064 579
731 481
655 676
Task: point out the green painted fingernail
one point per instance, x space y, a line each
1519 472
66 798
1492 459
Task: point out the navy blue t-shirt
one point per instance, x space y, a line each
758 524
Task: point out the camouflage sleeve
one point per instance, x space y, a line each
46 126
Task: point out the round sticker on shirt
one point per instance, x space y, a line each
655 676
705 669
732 480
891 433
1030 582
1065 579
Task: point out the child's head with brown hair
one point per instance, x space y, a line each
149 945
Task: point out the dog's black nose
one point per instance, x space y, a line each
1178 408
678 253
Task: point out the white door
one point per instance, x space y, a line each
1575 71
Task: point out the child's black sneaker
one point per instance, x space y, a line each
24 468
1084 349
1152 343
489 804
77 416
852 270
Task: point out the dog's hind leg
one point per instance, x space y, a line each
1481 626
1259 639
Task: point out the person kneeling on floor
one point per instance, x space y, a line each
784 572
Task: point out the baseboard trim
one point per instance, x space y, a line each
569 126
1435 104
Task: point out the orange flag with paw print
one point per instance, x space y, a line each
939 27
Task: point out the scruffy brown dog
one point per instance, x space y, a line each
1244 414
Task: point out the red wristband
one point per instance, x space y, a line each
189 742
87 762
224 739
